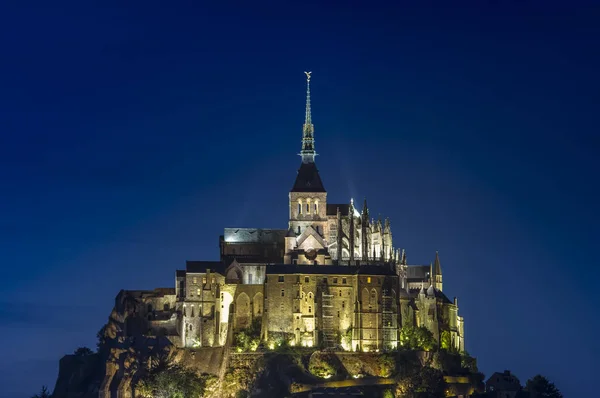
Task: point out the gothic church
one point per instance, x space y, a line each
333 272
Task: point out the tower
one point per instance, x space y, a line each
436 274
308 198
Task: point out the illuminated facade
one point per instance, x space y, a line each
332 278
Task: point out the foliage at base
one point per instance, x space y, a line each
425 382
322 364
249 338
420 338
174 382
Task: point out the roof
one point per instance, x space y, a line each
431 292
202 266
332 209
254 235
308 179
437 268
279 269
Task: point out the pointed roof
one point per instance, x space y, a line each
308 130
308 179
437 268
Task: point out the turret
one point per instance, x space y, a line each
437 272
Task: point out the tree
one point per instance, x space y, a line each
83 352
43 394
539 387
174 382
100 337
426 382
419 338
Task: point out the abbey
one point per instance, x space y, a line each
332 278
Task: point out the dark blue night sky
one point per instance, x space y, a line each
131 134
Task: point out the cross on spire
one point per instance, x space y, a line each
308 141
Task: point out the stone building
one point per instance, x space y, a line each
332 277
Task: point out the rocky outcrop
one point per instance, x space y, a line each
125 355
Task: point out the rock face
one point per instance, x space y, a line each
125 355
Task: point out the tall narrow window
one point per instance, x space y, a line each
310 309
299 208
282 293
308 208
298 229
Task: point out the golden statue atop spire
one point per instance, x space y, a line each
307 76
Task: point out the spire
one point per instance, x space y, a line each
308 140
437 268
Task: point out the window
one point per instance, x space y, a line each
195 280
316 209
308 208
198 292
204 280
295 261
368 279
344 281
334 280
298 229
325 280
282 293
213 281
280 278
343 304
310 309
306 279
299 207
340 293
338 314
250 279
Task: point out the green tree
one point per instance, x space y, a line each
44 393
539 387
174 382
83 352
420 338
468 362
423 383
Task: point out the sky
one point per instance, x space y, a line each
132 133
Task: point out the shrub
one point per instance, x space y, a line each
322 364
420 338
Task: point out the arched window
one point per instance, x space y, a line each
299 206
310 309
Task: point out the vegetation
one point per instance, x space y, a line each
175 382
414 338
468 362
83 352
100 338
426 382
249 338
386 365
322 364
539 387
44 393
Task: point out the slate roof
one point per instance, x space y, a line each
202 266
280 269
332 209
431 291
254 235
308 179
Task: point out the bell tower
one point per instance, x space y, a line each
308 198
